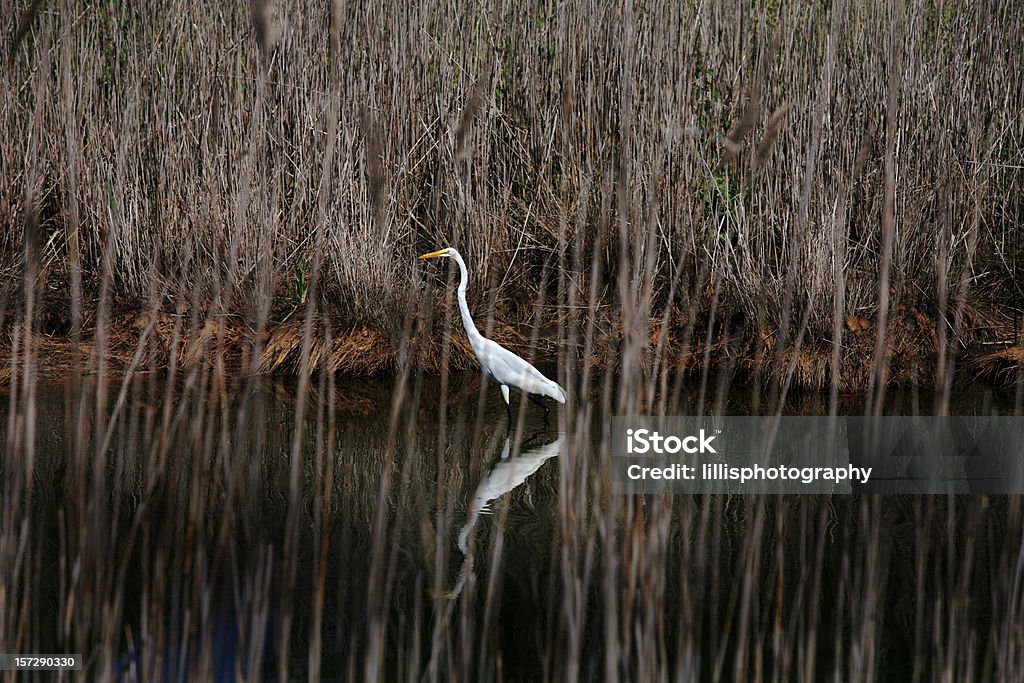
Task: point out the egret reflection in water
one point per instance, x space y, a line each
505 473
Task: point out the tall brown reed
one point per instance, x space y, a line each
186 145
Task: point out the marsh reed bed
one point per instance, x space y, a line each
813 173
693 208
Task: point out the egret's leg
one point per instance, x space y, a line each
547 411
508 405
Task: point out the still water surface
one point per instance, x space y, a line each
429 539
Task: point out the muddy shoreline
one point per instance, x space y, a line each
143 342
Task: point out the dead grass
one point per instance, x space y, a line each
1003 367
217 172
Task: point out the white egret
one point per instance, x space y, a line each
504 367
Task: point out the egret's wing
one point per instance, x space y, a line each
508 368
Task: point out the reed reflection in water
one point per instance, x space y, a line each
179 530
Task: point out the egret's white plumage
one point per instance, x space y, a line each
506 368
504 474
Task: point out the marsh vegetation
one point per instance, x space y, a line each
804 180
210 222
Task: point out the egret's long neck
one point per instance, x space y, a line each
467 320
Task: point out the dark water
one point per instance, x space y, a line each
194 534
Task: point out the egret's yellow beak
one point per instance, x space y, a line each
435 254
